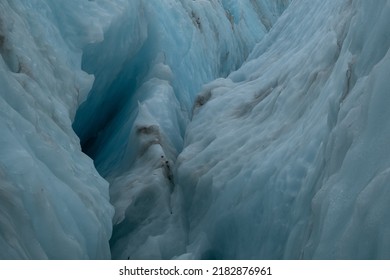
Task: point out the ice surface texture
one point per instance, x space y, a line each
289 156
145 55
53 203
285 156
154 59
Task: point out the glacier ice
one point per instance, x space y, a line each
134 121
223 129
288 157
53 203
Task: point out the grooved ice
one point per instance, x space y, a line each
178 129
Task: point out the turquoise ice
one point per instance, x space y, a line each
178 129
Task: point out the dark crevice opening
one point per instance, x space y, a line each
106 103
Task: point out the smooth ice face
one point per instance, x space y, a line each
288 157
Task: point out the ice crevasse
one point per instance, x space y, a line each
194 129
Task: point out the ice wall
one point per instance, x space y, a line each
53 203
284 158
155 57
173 45
149 59
289 157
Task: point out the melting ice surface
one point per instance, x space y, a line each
223 129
